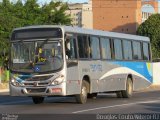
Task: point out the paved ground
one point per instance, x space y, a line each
147 101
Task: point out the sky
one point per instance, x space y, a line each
69 1
146 8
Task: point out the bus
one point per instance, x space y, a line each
49 60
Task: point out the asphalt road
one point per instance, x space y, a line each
141 102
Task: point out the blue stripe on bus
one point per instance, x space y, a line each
143 68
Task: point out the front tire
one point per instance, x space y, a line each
82 97
129 89
119 94
37 100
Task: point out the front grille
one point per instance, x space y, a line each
28 84
37 90
39 78
42 84
36 84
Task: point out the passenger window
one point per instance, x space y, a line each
145 51
94 47
70 47
137 55
127 48
105 48
83 47
118 49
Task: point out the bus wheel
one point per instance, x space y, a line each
37 100
82 97
92 96
129 89
119 94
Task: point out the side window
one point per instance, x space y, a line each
83 46
71 51
105 48
118 49
146 51
137 50
94 47
127 48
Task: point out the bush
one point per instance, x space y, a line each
4 75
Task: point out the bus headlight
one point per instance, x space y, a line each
15 82
58 80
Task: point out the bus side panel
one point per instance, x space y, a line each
141 82
110 81
141 73
109 76
92 69
101 76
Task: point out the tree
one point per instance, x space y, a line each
5 17
54 13
151 29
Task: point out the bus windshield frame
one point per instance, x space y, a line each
36 55
36 33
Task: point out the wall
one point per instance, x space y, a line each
156 73
119 15
116 15
87 19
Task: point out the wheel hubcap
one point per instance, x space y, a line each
130 88
84 92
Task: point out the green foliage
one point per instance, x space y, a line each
151 29
5 76
28 12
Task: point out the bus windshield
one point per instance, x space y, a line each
40 56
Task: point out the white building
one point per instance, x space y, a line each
145 16
81 14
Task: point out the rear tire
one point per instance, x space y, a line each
82 97
92 96
129 89
37 100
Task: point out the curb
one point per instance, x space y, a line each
4 90
153 87
4 87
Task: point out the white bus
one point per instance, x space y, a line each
70 61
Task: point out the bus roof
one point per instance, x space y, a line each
73 29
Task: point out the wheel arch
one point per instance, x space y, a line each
131 77
87 79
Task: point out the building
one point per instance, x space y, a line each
145 16
120 15
81 14
148 8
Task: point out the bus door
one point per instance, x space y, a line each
72 65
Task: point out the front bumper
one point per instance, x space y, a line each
58 90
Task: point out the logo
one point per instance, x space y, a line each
35 84
37 68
